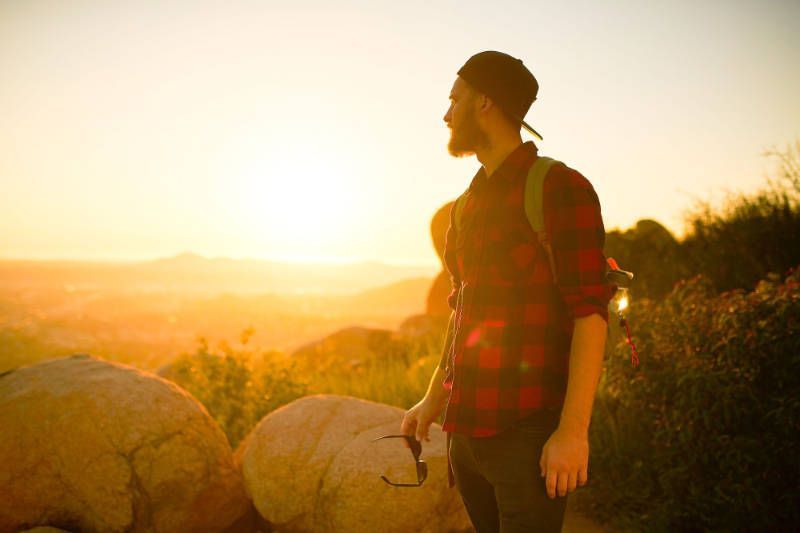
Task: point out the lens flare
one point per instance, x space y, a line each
622 304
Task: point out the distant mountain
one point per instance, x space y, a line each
189 272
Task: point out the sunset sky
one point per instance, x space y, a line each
313 130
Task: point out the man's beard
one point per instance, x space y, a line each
467 138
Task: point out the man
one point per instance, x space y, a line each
525 343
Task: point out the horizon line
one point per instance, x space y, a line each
298 260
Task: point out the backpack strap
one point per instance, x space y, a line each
534 201
534 206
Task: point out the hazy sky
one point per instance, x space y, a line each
314 129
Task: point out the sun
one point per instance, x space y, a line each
305 206
307 202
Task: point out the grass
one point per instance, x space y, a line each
387 381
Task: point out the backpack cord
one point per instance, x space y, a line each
634 353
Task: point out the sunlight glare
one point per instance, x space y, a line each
308 203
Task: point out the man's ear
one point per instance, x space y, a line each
486 103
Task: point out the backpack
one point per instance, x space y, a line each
534 199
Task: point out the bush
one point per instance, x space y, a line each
739 245
389 380
704 434
735 246
237 387
752 235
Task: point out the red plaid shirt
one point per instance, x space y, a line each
513 325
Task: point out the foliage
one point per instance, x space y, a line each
752 237
704 434
378 365
237 386
735 246
789 160
398 381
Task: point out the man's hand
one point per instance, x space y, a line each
565 461
565 456
419 418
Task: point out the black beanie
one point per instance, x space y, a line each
505 80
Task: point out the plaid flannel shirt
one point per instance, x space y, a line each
512 327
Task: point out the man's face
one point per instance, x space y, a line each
466 134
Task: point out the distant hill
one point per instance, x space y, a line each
190 272
407 294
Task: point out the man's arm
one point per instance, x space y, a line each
585 366
418 419
577 234
565 457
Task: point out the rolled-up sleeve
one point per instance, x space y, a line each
575 226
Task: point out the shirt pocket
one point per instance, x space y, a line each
468 225
515 254
468 244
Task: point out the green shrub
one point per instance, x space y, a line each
395 372
753 236
390 380
704 434
237 387
734 246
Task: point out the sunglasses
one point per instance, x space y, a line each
416 451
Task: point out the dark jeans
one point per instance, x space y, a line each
499 478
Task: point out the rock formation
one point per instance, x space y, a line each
436 303
89 445
437 295
439 224
313 465
652 253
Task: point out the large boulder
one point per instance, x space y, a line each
439 224
313 465
89 445
652 253
436 302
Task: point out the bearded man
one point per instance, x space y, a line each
524 347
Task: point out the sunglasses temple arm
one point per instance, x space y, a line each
401 484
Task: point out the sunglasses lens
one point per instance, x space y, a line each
422 471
